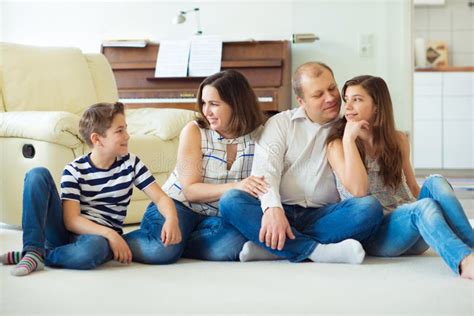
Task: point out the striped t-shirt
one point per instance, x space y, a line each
214 167
104 194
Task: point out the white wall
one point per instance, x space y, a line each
452 22
338 23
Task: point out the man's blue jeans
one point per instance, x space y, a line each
203 237
437 219
356 218
44 230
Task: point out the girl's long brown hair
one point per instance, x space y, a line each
386 139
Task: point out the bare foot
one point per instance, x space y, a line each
467 267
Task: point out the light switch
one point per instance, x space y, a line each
365 44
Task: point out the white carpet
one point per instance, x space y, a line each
421 285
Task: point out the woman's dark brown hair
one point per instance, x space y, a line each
386 139
235 90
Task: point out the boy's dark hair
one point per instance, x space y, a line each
235 90
98 119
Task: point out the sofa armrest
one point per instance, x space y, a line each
61 128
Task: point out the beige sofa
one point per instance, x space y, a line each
43 92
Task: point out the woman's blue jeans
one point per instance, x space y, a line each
356 218
44 230
436 219
203 237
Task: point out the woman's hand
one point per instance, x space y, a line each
354 129
170 233
253 185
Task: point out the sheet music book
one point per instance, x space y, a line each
205 57
172 59
139 43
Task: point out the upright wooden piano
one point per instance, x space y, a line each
266 65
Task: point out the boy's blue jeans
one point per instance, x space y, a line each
208 238
44 230
437 219
356 218
203 237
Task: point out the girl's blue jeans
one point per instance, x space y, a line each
436 219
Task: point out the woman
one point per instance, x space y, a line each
369 156
215 154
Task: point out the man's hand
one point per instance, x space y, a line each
275 228
170 233
119 247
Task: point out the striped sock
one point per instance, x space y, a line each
11 257
31 262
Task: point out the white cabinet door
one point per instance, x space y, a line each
458 144
458 83
458 108
444 120
428 144
427 107
428 115
458 120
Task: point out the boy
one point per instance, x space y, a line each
83 229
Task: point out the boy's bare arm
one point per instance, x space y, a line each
164 202
80 225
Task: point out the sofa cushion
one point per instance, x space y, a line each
164 123
45 79
103 78
157 154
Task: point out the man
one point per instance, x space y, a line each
300 216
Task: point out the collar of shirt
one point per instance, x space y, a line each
229 141
301 113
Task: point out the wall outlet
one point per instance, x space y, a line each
365 44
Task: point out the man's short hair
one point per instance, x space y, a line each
312 69
98 119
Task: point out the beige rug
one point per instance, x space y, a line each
421 285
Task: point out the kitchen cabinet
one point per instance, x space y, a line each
444 120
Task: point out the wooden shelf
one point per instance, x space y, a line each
133 65
446 69
225 64
252 63
175 78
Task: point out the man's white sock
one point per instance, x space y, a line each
253 252
346 251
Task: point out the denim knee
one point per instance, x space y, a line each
157 253
38 174
215 240
437 181
426 209
93 250
373 211
228 200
